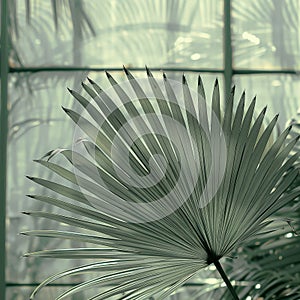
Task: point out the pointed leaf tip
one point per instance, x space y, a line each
30 177
66 110
199 80
108 75
264 110
25 213
148 71
125 70
164 75
183 79
216 82
70 91
90 80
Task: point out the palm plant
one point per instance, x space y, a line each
270 262
268 265
219 180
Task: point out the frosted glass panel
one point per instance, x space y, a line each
279 92
266 34
112 33
49 293
37 124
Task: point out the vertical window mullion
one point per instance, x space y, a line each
227 47
3 143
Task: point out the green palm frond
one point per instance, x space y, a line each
270 266
218 184
295 122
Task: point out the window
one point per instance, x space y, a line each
47 46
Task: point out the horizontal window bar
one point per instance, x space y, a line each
247 72
91 69
201 70
15 284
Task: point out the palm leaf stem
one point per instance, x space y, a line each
226 279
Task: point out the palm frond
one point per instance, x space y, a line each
161 184
269 265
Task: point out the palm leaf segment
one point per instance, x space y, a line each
141 259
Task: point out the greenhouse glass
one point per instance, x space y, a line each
49 45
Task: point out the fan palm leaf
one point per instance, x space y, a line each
269 265
218 182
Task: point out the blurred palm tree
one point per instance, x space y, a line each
75 9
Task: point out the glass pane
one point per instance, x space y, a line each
114 33
50 293
266 34
37 124
278 92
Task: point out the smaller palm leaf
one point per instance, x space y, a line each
165 186
269 265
